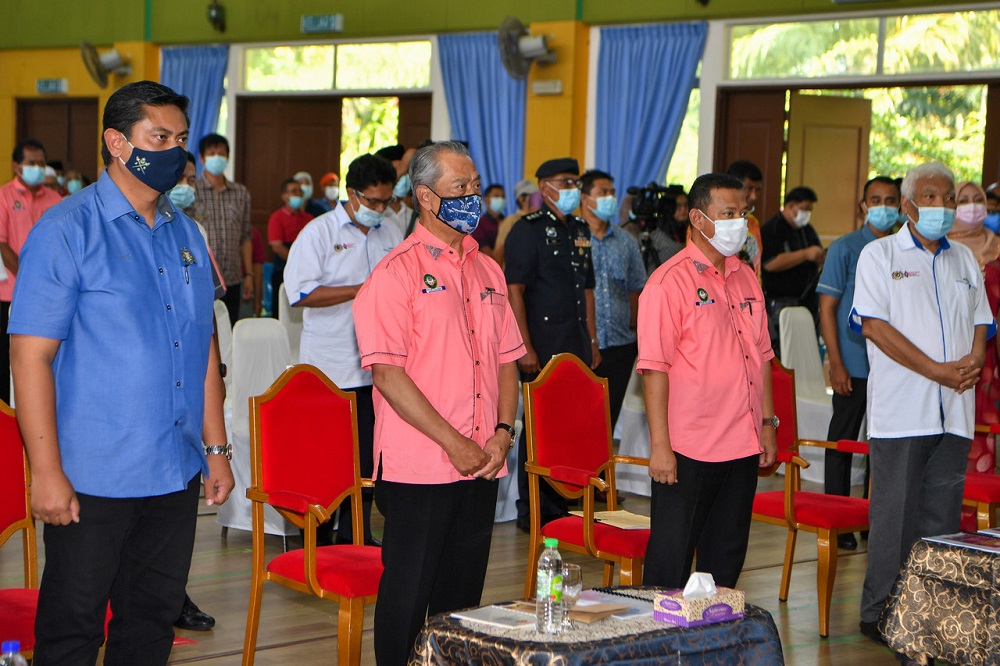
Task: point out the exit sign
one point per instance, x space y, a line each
313 23
52 86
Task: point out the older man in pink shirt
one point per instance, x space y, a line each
705 356
436 329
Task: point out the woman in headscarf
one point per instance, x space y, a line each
970 231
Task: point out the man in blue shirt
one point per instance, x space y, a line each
844 347
619 276
117 374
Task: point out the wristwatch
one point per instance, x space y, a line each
510 430
220 450
772 421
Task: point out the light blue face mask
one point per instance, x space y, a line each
607 207
402 187
935 222
74 185
307 190
367 217
32 175
295 202
569 200
182 195
216 164
882 217
498 205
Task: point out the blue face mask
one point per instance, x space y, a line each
935 222
32 175
882 217
367 217
295 202
402 187
498 205
992 222
460 213
74 185
216 164
158 170
607 207
182 196
569 200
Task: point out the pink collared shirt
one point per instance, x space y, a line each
708 332
447 322
20 208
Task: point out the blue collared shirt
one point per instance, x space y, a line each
837 280
618 270
132 308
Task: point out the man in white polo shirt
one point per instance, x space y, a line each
920 302
327 264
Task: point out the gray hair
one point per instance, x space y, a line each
425 166
921 171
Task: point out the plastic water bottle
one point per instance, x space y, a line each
548 591
10 654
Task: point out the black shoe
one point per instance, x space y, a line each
192 618
870 630
847 541
524 524
372 541
864 534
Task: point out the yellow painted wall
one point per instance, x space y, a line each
555 125
20 68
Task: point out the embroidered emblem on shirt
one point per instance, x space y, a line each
700 266
550 232
340 247
899 275
140 164
703 298
17 205
435 251
430 281
187 259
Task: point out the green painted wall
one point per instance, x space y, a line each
65 23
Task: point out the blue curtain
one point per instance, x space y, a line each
198 72
645 75
486 107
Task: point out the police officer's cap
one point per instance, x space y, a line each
561 165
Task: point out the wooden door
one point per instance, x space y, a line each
828 151
751 126
414 119
68 129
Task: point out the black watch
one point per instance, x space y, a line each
509 428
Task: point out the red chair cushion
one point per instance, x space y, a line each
349 571
17 616
982 487
816 509
626 543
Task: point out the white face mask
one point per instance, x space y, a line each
332 192
729 235
802 218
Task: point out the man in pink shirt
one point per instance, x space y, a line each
705 355
22 202
436 329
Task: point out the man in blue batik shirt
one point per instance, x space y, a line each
846 348
619 276
119 392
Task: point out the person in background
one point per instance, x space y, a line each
845 348
226 210
283 228
753 181
57 166
75 181
619 276
703 342
22 202
440 445
327 265
970 231
52 181
668 236
926 353
992 221
305 181
523 192
399 211
485 234
329 192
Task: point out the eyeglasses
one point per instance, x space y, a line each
565 183
376 204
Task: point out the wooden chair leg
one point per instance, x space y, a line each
826 573
786 568
350 619
630 572
985 515
534 551
253 618
609 574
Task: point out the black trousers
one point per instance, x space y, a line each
4 352
366 441
553 504
709 509
848 413
232 299
135 552
435 551
616 367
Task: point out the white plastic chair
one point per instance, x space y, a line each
259 355
291 319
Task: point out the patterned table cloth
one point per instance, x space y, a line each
752 641
946 605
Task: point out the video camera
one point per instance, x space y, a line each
653 206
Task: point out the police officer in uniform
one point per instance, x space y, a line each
550 283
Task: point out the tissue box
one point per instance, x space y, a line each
671 606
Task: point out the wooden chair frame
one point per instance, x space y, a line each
306 513
986 512
573 483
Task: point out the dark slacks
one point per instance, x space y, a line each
435 551
4 352
553 504
848 414
366 441
135 552
616 367
917 485
708 509
232 299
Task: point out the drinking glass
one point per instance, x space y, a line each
572 588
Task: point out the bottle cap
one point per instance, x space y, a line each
551 543
10 646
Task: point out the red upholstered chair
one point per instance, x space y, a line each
825 515
982 490
304 463
568 424
17 605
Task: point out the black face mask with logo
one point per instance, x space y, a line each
157 169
